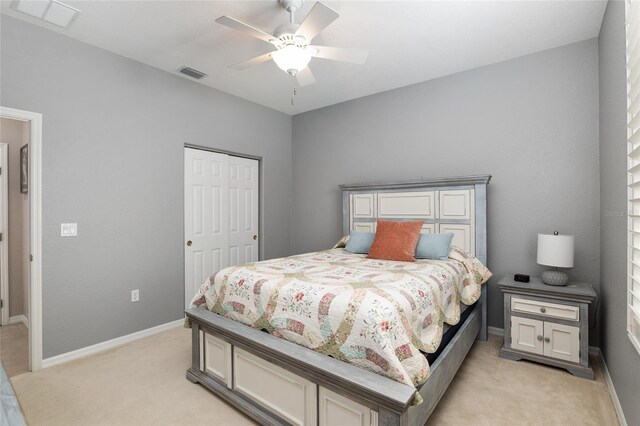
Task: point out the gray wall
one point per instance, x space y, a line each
622 359
114 131
531 122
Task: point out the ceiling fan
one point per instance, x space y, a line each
292 42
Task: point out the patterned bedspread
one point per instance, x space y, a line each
372 313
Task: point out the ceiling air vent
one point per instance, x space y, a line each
192 73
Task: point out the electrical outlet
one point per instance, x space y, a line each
135 295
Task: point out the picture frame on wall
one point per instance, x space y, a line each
24 169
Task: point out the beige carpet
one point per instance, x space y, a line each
14 348
489 390
143 383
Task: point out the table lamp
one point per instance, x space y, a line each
557 251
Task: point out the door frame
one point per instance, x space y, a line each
35 229
4 257
260 197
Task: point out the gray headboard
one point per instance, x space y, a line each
457 205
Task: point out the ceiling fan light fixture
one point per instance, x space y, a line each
292 59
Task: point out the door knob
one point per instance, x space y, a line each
255 237
189 243
540 338
546 339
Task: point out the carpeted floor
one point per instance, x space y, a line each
143 383
14 348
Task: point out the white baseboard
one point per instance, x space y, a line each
99 347
612 390
19 319
496 331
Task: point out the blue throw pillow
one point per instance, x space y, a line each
434 246
360 242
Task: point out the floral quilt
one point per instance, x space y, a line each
375 314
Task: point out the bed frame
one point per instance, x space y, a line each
278 382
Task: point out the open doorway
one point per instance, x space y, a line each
14 245
21 240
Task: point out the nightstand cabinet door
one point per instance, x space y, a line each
562 342
527 335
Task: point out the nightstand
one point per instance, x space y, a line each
547 324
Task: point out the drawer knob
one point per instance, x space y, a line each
543 310
539 337
546 339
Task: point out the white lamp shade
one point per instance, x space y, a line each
292 59
555 250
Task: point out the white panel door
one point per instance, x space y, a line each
562 342
243 210
206 217
527 335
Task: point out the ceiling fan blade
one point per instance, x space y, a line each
355 56
305 77
318 19
251 62
242 27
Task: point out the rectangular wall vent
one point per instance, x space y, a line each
192 73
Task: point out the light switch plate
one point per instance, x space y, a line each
69 230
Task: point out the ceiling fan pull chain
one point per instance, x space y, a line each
295 93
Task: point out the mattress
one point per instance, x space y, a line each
376 314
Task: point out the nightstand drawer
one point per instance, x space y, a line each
545 309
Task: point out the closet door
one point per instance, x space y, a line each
206 217
243 210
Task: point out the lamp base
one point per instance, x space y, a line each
555 278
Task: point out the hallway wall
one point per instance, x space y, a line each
16 133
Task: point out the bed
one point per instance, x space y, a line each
310 313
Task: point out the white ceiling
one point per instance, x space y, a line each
408 41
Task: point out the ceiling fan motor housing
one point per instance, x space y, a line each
285 34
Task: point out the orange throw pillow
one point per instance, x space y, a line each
396 241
